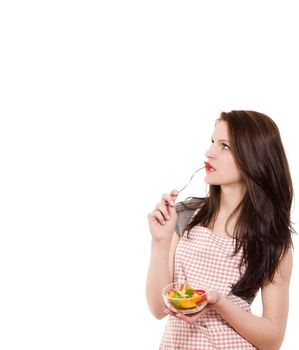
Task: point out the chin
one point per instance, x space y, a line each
212 183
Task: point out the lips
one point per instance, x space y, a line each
209 167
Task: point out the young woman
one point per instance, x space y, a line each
237 240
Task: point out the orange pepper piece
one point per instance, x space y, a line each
196 298
186 303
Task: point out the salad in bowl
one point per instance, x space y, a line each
185 297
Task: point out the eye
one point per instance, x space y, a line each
225 146
212 141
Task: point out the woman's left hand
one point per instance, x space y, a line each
213 298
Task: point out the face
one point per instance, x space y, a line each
224 169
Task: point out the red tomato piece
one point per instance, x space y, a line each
200 291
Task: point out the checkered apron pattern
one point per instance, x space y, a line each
206 259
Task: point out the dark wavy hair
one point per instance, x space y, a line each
263 229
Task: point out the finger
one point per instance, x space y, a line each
163 210
164 205
210 298
169 200
187 318
202 312
194 317
184 318
174 194
169 312
167 205
157 217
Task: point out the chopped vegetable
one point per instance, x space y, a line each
186 297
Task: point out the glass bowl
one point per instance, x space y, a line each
185 297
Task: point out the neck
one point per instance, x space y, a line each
231 196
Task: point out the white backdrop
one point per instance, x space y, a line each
104 107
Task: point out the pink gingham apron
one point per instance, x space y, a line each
205 258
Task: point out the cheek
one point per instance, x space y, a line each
230 171
233 171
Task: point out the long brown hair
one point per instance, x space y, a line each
263 229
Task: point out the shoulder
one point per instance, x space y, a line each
189 204
185 211
285 267
283 273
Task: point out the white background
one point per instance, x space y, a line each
104 107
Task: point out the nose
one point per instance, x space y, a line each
210 153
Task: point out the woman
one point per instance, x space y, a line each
237 240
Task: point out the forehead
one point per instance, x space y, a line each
221 130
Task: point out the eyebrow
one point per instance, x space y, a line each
221 140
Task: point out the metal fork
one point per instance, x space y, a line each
191 179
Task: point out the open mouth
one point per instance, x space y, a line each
209 167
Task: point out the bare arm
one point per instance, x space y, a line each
160 274
162 224
266 332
